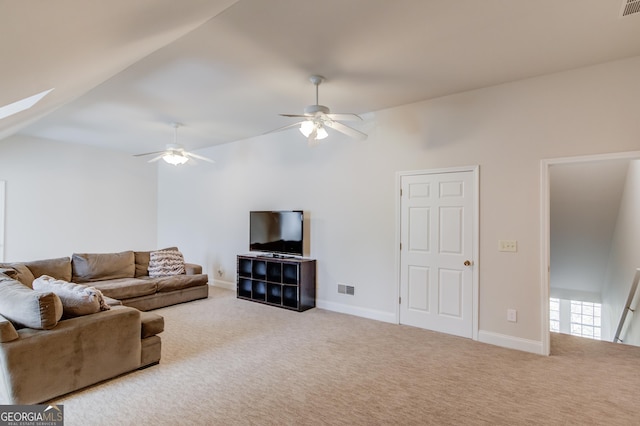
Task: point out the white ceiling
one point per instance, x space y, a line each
124 70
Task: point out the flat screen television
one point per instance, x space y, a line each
276 232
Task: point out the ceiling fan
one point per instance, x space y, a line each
174 153
318 117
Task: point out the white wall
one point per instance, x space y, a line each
623 261
348 187
64 198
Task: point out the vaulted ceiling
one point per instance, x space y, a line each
124 70
585 202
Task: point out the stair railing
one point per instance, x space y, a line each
627 306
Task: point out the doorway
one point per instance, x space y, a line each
581 200
438 246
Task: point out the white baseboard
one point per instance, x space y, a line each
229 285
510 342
357 311
497 339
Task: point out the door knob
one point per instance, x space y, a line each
468 263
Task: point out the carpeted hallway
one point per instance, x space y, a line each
232 362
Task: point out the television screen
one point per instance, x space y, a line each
276 232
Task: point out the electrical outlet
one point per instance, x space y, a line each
508 245
512 315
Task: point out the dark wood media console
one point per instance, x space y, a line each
286 282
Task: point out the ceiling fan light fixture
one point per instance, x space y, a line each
322 133
174 154
175 158
307 128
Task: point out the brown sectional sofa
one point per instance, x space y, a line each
122 276
66 354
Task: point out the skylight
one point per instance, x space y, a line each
21 105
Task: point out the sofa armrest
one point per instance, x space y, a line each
111 301
192 269
78 352
7 330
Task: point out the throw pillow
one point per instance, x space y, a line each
77 299
22 273
164 263
142 261
25 307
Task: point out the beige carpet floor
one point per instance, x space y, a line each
232 362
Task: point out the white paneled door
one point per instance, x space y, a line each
436 255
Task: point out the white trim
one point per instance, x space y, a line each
545 227
357 311
545 255
629 155
224 284
511 342
476 237
2 217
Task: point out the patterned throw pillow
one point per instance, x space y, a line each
164 263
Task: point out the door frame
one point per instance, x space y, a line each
545 228
475 274
2 217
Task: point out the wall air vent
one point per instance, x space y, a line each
629 7
346 289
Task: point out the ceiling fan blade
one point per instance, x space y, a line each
199 157
147 153
344 116
154 159
349 131
295 115
288 126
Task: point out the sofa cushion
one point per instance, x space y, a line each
192 268
58 268
142 261
9 272
25 307
77 299
111 301
126 288
18 271
178 282
164 263
7 330
90 267
152 324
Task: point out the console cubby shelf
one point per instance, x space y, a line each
285 282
